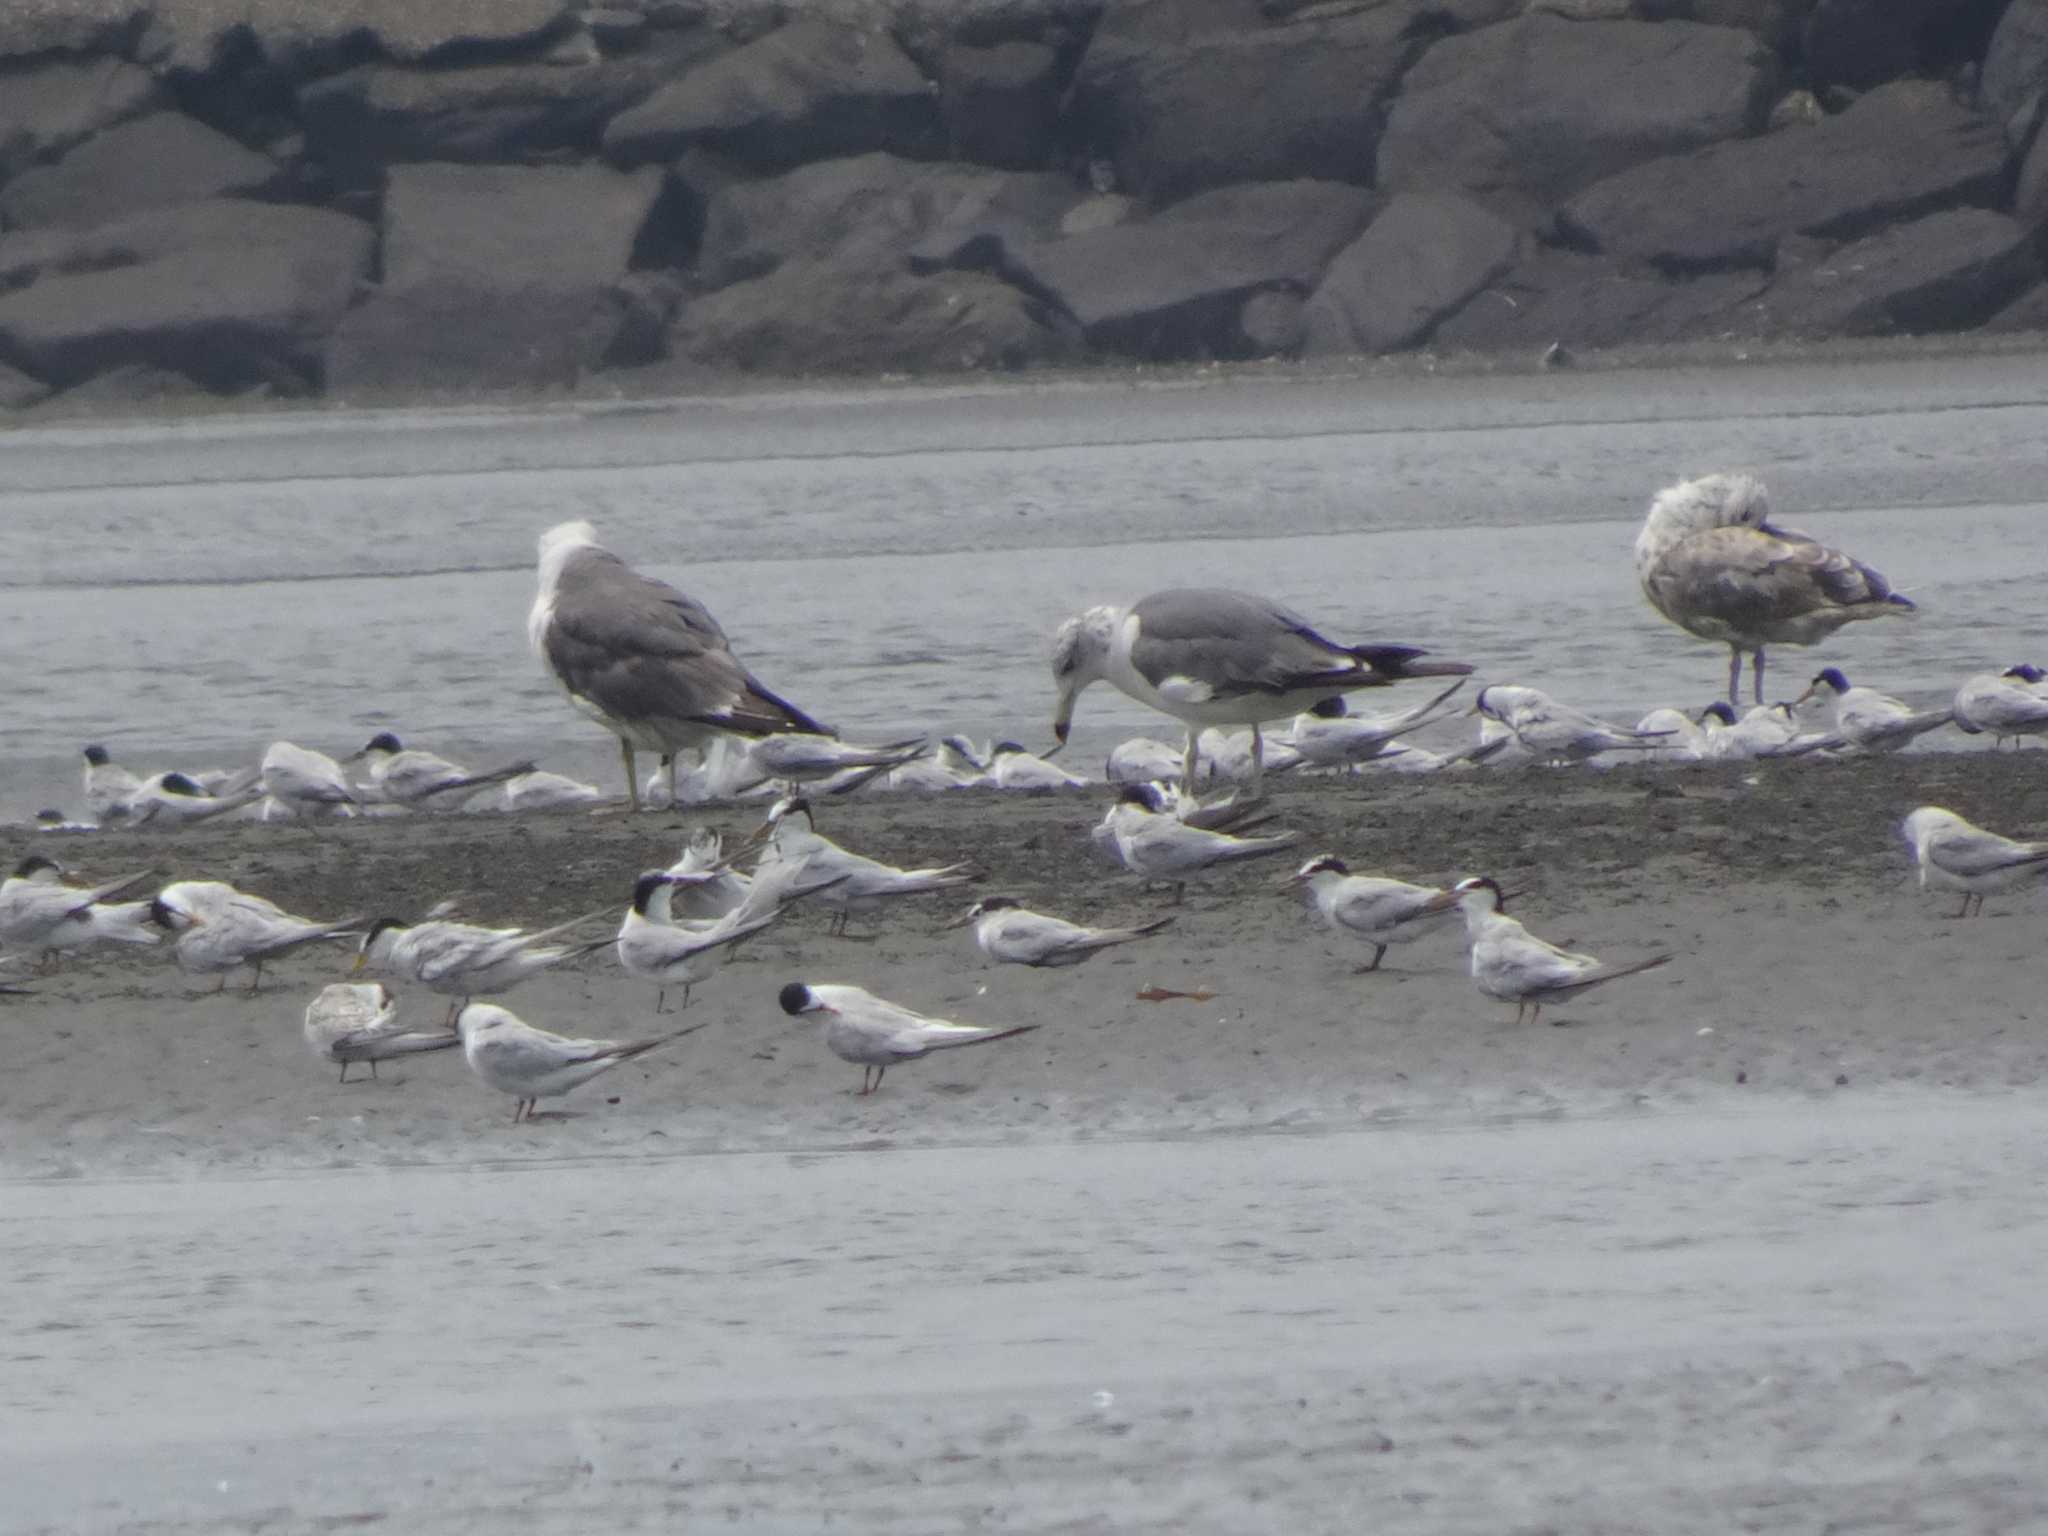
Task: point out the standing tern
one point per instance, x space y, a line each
462 960
2009 703
108 786
655 947
358 1021
645 661
402 775
1209 656
852 881
1865 718
1554 732
217 928
531 1064
874 1034
1512 964
1710 560
35 901
1371 907
1161 846
1008 931
1955 856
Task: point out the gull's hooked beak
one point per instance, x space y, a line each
1060 728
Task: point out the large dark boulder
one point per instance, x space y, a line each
1259 104
2016 69
1777 22
1417 262
1950 271
365 118
2026 314
17 389
1521 116
297 37
1864 43
1590 301
1000 105
32 27
871 210
495 277
228 294
145 162
1176 285
51 104
1904 150
823 317
805 91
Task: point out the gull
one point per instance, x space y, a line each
108 786
1512 964
874 1033
539 790
1865 718
35 901
358 1021
854 882
218 928
463 960
532 1064
306 782
1208 656
1764 730
648 663
1956 856
1008 931
1160 846
655 947
1711 562
1371 907
1328 736
2009 703
402 775
1556 732
1011 767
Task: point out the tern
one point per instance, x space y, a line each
543 791
1161 846
1328 736
531 1064
1512 964
1011 767
217 928
1209 656
108 786
305 782
2009 703
645 661
1141 760
874 1034
794 759
1710 561
1865 718
1765 730
402 775
1008 931
35 901
850 881
104 922
462 960
1955 856
1555 732
655 947
174 799
1378 910
358 1021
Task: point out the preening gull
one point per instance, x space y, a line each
1711 562
647 662
1208 656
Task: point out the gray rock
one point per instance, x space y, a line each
1273 323
18 389
31 27
2016 69
220 223
1903 150
872 210
1000 105
146 162
1777 22
297 38
808 90
48 106
2027 313
131 384
1950 271
2030 188
229 301
365 118
1506 114
1864 43
1220 107
808 317
512 229
1416 263
1589 301
1175 285
444 336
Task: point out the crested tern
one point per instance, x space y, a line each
1554 732
408 776
305 782
875 1034
35 900
463 960
1512 964
1329 736
1953 855
1379 910
358 1021
2011 703
1161 846
531 1064
852 881
1865 718
1010 932
217 928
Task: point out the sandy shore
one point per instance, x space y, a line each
1807 963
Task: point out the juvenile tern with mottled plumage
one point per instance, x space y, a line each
352 1022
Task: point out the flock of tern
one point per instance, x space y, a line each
653 667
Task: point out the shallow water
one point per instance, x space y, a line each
189 592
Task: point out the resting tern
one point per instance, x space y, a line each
851 881
462 960
1208 656
806 759
1764 730
1141 760
174 799
1239 757
1161 846
2009 703
645 661
358 1021
108 786
402 775
1371 907
306 782
874 1034
35 900
105 922
218 928
1956 856
1007 931
531 1064
1865 718
1512 964
1711 562
1011 767
1330 737
1555 732
543 791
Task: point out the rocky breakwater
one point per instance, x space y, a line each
376 198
